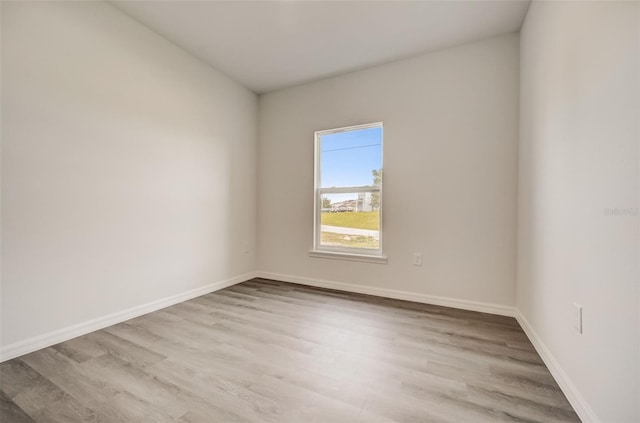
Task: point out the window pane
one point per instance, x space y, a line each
348 186
349 159
350 220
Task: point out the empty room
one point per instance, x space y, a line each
320 211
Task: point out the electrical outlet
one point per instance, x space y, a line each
417 259
577 317
245 247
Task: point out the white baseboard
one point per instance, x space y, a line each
498 309
577 401
582 408
42 341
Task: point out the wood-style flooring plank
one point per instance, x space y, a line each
11 412
269 351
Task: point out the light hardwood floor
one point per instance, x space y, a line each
266 351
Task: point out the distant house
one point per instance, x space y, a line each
344 206
363 203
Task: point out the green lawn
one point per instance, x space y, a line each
358 220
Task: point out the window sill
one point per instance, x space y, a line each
348 256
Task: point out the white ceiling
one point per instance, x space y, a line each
267 45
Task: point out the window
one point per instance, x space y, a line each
348 190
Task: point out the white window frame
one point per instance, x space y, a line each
348 253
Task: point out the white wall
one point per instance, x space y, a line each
128 168
450 154
579 135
